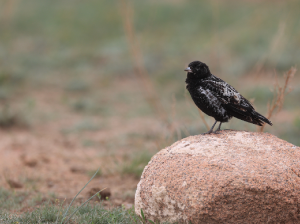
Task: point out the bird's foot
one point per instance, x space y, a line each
211 129
217 131
209 132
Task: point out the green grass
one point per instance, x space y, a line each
51 213
97 214
83 126
89 36
92 172
11 200
57 212
11 118
89 106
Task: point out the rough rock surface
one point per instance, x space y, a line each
231 177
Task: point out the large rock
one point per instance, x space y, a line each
232 177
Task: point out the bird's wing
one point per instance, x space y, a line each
233 102
212 101
228 96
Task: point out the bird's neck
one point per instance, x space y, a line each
195 78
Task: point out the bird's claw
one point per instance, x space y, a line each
217 131
209 132
212 132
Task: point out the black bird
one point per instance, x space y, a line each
217 98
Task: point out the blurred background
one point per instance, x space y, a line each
89 84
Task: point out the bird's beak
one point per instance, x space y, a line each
188 69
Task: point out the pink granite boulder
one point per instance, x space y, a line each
231 177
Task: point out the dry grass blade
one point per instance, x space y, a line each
279 94
66 213
141 72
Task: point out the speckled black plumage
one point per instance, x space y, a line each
217 98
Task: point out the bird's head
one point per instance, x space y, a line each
198 69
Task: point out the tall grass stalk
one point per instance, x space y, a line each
279 95
66 213
82 205
137 57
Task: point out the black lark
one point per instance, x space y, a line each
217 98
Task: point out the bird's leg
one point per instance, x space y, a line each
219 128
211 130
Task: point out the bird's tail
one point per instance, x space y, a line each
260 117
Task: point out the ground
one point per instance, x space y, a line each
57 153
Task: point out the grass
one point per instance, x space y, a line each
72 52
57 213
83 126
88 106
92 172
10 118
51 213
136 164
279 94
94 214
11 200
